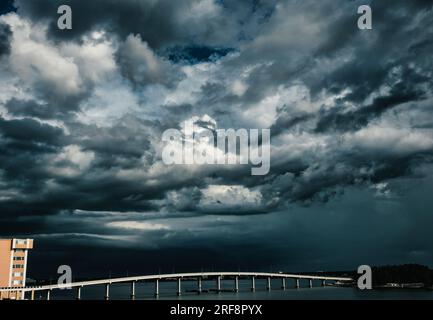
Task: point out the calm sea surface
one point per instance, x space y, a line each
144 291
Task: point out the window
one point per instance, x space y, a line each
17 282
18 274
17 266
19 258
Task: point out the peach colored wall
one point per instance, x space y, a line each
5 260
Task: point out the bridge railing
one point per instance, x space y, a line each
179 277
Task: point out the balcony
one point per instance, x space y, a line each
22 244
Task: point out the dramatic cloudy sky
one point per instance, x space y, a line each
82 113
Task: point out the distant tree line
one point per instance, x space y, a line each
406 273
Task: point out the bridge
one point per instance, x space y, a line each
178 278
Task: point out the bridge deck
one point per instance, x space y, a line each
176 276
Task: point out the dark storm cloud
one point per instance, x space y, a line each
158 22
80 131
286 120
355 120
5 36
124 140
128 145
23 143
29 130
301 241
24 146
32 109
372 54
124 17
387 47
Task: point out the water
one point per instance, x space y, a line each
145 291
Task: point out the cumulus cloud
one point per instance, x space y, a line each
142 66
221 199
82 114
40 64
119 123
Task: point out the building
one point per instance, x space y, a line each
13 265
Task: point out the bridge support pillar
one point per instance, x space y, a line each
79 293
253 284
310 283
133 290
48 294
236 284
268 286
199 289
296 283
179 287
32 295
283 283
218 284
107 292
323 283
156 287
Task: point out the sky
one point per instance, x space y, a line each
82 113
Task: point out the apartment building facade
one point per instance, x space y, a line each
13 265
